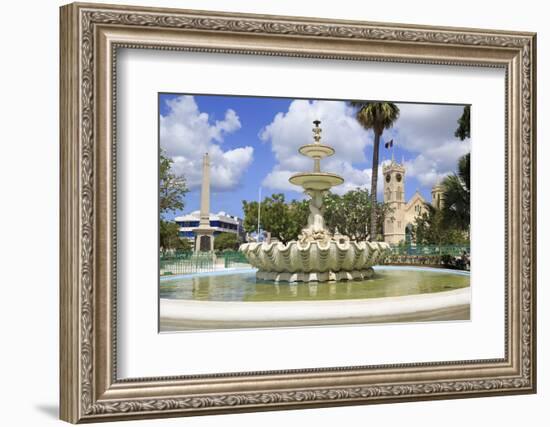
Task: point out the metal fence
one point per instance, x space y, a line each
184 264
427 250
233 258
179 254
191 262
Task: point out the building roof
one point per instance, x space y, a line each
416 197
220 216
393 165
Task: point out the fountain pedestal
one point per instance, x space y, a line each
317 255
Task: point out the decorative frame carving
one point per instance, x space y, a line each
90 36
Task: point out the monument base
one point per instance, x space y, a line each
204 239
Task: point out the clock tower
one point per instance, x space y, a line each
394 196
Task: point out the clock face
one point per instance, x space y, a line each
388 177
398 177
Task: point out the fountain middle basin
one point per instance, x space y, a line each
237 299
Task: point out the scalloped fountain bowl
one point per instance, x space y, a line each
314 261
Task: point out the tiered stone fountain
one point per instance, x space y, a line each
317 255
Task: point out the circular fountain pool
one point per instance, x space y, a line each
235 299
243 286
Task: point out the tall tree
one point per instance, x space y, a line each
350 214
225 241
456 196
298 212
172 188
283 220
430 229
170 239
463 129
377 116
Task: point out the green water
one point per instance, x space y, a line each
244 287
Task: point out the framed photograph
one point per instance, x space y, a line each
308 241
267 212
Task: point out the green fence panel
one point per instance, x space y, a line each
190 262
233 257
185 264
454 250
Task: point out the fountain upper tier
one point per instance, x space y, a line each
316 180
316 150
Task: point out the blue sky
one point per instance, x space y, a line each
253 142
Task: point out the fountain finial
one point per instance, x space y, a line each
317 131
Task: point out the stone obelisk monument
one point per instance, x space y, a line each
204 234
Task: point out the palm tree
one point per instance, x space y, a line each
456 196
376 116
463 129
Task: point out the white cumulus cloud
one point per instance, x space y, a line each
291 129
187 133
428 130
424 130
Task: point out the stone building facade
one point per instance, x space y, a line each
398 226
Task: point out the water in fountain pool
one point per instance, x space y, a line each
387 282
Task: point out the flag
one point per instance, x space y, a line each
389 144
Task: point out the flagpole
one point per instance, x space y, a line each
389 144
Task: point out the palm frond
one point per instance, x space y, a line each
376 115
464 169
456 202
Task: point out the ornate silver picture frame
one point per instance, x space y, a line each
91 35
